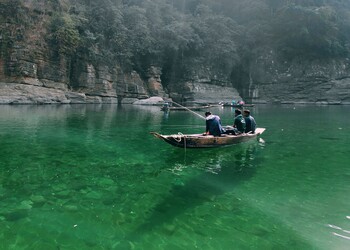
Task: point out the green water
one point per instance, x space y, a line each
92 177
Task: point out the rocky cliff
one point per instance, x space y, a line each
272 80
31 72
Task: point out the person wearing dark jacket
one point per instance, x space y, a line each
250 123
239 122
213 125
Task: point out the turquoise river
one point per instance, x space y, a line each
93 177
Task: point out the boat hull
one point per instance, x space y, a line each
206 141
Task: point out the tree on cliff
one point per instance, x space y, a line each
176 34
308 31
64 35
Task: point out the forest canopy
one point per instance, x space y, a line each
221 34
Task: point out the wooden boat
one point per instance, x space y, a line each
165 108
207 141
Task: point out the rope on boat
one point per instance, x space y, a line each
178 137
184 142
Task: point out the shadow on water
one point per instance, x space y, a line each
204 179
201 176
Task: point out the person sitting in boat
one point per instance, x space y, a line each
250 123
166 106
241 103
238 124
213 125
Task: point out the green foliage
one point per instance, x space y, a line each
219 38
11 16
180 34
308 31
220 34
64 35
104 35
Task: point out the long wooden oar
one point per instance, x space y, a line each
190 110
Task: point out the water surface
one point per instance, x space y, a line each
92 177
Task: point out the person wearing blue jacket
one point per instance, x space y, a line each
213 125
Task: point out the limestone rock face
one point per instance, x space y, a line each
154 100
14 93
95 81
204 85
130 85
203 93
210 93
296 81
154 82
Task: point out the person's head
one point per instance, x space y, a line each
238 112
246 112
207 113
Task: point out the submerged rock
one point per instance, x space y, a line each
16 215
70 207
25 205
37 199
94 195
105 182
154 100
